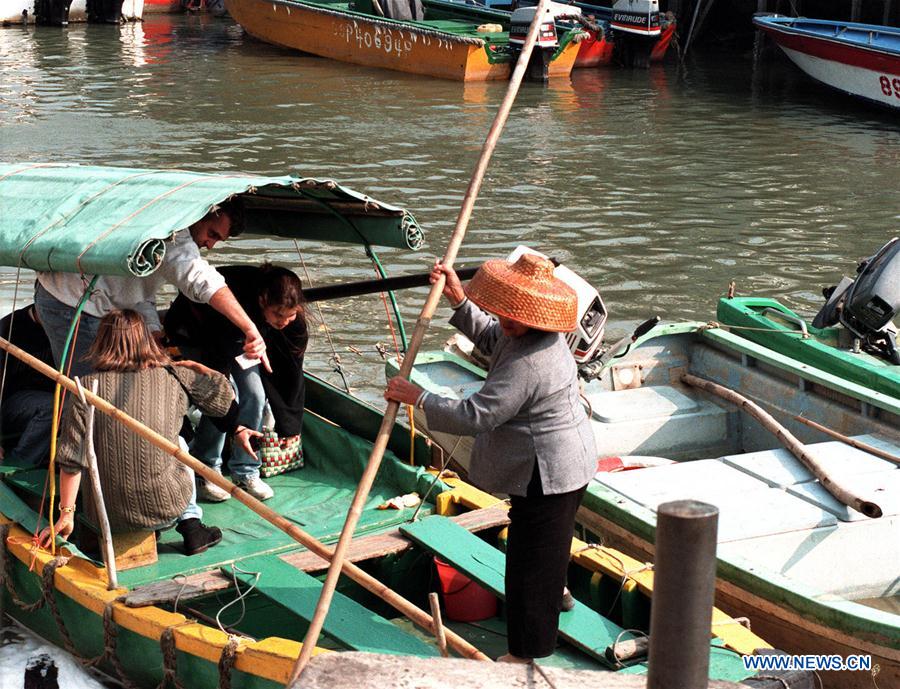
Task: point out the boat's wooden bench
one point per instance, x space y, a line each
393 542
364 548
348 622
582 627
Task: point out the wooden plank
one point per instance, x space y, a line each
183 588
583 627
348 622
393 542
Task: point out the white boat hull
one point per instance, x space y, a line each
857 81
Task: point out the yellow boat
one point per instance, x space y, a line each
446 44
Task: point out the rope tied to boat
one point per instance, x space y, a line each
170 659
110 641
6 575
47 595
227 661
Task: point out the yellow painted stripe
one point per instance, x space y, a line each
271 658
610 562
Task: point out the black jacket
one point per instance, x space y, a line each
219 340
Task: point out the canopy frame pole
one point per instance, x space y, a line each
798 449
57 402
360 576
335 357
422 323
109 554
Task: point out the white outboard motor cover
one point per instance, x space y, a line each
586 338
521 19
637 17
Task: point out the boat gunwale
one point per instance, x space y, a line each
777 27
421 27
803 598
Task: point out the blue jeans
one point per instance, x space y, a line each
209 441
57 318
28 414
193 510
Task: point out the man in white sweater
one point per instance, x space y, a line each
57 294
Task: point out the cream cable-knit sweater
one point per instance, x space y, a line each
143 487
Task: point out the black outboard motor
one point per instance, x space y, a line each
867 305
52 12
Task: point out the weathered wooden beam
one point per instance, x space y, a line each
168 591
393 542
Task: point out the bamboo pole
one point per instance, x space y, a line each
871 449
844 495
390 414
367 581
439 631
109 554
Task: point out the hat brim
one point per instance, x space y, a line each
500 288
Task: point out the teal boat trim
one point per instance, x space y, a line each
821 349
116 221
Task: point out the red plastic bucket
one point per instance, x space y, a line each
464 599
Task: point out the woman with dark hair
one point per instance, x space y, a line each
273 298
143 488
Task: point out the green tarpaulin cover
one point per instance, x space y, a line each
115 221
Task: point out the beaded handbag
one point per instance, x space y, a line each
279 454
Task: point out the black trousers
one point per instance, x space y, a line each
537 559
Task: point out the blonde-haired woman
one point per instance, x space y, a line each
143 488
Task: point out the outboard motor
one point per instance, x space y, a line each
867 305
547 41
636 28
586 338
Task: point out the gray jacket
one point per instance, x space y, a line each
528 408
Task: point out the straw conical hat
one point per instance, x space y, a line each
525 291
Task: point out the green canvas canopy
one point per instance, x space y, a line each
115 221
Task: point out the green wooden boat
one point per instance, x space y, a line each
812 576
773 325
235 615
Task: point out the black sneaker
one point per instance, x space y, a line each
197 536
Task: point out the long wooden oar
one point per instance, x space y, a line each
370 583
852 442
390 414
355 289
844 495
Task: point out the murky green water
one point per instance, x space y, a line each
659 186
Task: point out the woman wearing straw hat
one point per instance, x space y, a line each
533 439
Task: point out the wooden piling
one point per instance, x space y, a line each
855 8
41 673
